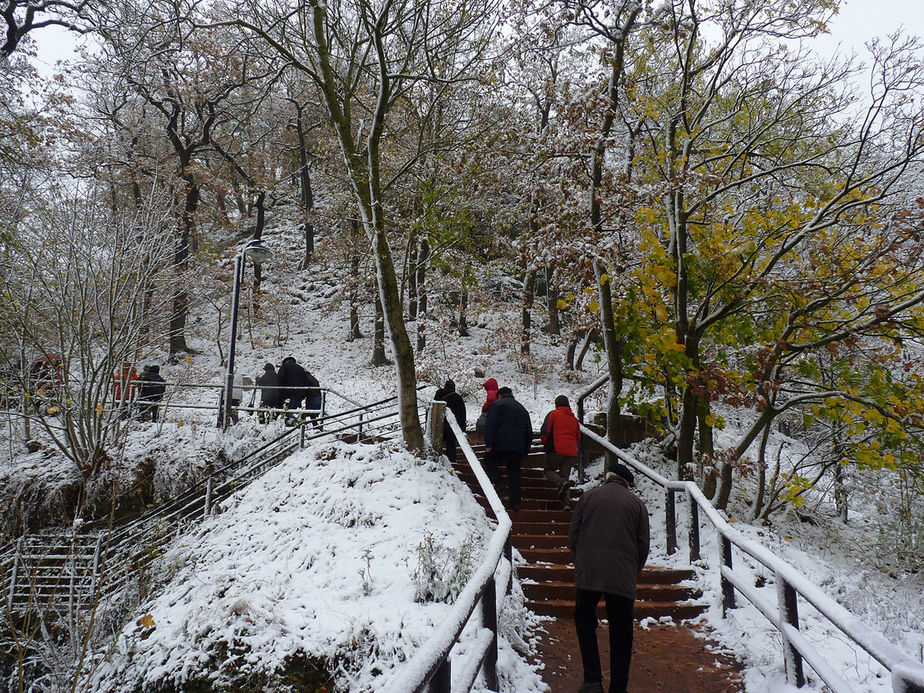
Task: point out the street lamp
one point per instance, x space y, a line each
258 253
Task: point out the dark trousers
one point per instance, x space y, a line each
558 467
449 441
511 460
620 614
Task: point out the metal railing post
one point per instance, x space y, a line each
15 572
508 554
670 521
728 590
489 621
208 496
694 529
442 679
789 613
95 580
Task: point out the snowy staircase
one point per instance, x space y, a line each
540 534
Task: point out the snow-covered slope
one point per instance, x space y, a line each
321 560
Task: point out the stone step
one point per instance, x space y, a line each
558 591
565 609
650 575
537 506
527 527
534 479
556 556
526 473
555 514
540 541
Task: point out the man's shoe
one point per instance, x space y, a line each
591 687
564 490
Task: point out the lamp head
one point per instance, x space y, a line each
257 252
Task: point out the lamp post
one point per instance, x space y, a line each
258 253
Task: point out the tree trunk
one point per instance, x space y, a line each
761 475
306 196
378 334
410 272
840 492
707 453
463 303
180 302
552 296
239 198
423 259
613 347
354 332
363 164
529 290
258 235
572 347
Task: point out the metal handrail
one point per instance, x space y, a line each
429 669
592 388
907 674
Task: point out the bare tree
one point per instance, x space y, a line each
364 58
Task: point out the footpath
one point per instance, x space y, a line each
666 657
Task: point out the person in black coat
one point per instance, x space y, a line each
270 395
456 405
291 375
152 392
508 435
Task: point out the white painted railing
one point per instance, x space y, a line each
430 668
907 674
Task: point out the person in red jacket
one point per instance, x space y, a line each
491 386
560 433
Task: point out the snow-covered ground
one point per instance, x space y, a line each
316 560
325 558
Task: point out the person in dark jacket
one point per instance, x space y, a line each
609 540
313 395
270 395
456 405
508 435
560 433
293 380
152 392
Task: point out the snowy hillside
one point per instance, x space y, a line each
325 560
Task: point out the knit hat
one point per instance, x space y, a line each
449 386
622 470
269 367
504 392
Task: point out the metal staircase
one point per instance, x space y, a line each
62 571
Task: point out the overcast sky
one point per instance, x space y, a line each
858 22
861 20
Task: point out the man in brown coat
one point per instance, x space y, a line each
609 538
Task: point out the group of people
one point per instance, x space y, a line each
146 391
609 533
287 390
